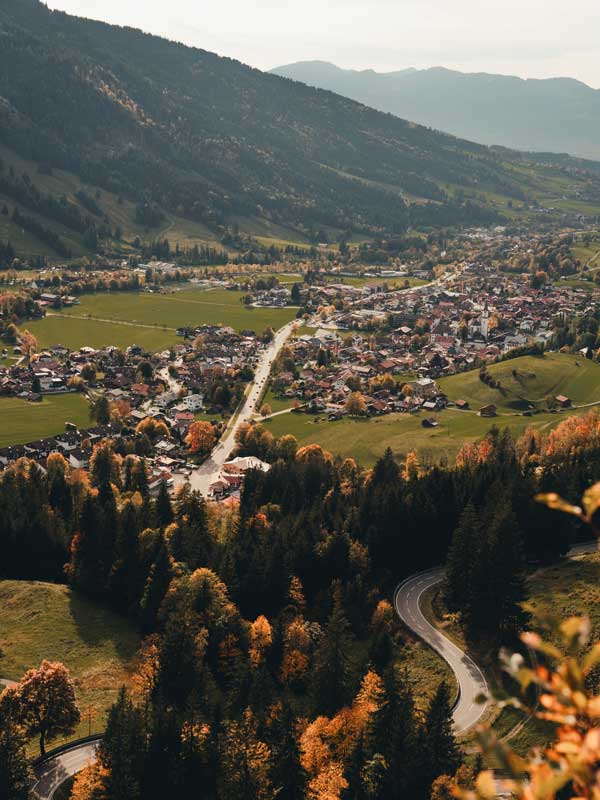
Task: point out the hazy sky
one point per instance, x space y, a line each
531 38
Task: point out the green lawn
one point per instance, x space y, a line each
150 320
189 306
393 283
366 439
42 620
21 421
74 333
536 378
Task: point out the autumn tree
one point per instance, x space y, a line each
201 437
355 404
28 344
245 761
152 428
47 702
265 410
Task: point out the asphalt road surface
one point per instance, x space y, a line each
207 473
470 678
52 773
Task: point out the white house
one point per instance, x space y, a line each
193 402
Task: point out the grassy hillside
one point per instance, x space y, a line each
42 620
367 439
21 421
195 144
528 381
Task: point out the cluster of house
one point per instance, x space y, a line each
171 387
231 476
426 333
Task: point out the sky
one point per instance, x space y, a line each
529 38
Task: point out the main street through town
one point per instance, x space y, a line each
202 477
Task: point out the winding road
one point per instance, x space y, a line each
471 680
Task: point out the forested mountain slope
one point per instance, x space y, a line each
183 132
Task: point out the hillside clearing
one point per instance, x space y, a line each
528 381
48 621
367 439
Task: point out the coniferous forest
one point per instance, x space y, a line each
271 663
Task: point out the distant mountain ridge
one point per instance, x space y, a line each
560 115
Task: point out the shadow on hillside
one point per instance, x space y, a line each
97 624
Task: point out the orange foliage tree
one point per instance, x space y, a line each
201 437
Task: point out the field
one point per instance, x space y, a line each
366 439
42 620
74 333
528 381
150 320
393 283
21 421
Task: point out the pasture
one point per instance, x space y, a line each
22 421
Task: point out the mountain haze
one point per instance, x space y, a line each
557 115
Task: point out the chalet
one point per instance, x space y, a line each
462 405
218 488
563 402
488 411
430 422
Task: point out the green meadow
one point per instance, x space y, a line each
22 421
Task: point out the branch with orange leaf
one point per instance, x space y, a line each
569 767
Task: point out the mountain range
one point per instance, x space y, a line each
557 114
177 139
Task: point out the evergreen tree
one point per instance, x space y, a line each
333 669
122 750
289 778
463 556
162 506
14 768
156 587
443 755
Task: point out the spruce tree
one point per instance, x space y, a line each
443 755
333 668
162 506
289 778
122 750
462 558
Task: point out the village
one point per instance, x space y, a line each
204 377
392 346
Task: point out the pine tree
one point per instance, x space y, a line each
333 668
462 558
289 778
443 755
393 733
122 750
156 587
162 506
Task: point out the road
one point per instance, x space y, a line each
207 473
471 680
49 775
